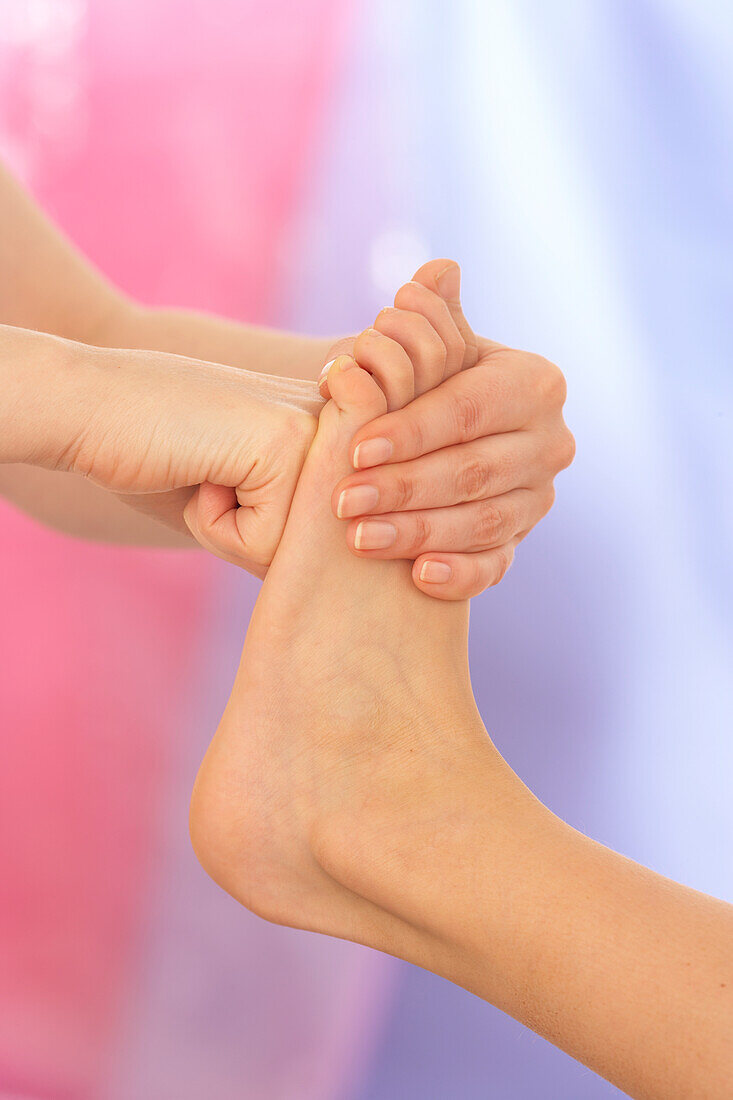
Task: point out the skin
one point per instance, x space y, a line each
150 427
411 348
352 789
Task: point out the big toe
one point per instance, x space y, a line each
356 399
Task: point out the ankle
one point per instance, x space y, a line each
408 793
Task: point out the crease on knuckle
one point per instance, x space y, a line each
435 351
411 435
457 347
474 479
402 491
468 410
491 523
419 533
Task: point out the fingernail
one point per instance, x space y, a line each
374 535
357 500
373 452
449 282
325 369
435 572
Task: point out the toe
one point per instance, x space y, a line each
356 395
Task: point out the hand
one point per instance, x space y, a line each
204 448
457 478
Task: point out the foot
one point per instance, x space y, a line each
352 690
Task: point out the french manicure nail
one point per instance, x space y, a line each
374 535
325 369
372 452
357 500
435 572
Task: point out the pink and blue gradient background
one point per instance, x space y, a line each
291 163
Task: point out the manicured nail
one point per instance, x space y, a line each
374 535
435 572
449 282
357 501
373 452
325 369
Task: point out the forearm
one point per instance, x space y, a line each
216 340
74 506
628 972
49 286
46 404
42 387
45 282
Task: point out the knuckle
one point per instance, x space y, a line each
419 533
411 435
434 350
568 450
506 467
491 523
560 451
551 385
502 560
457 347
474 479
468 409
402 492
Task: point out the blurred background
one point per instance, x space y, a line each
292 163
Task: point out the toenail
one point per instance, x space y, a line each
346 362
374 535
435 572
449 282
357 500
373 452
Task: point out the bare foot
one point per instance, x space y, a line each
351 692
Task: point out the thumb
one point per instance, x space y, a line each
444 278
221 526
343 346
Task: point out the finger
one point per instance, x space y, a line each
484 468
218 524
416 298
356 396
462 576
444 277
466 528
422 343
343 346
389 364
485 400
